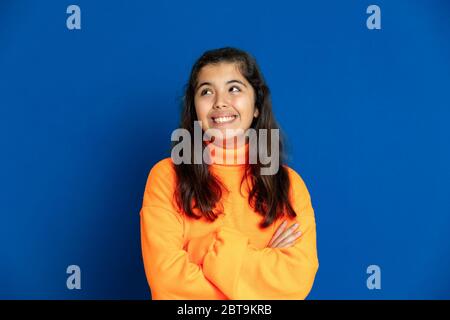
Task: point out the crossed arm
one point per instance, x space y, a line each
231 268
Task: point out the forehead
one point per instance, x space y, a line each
220 72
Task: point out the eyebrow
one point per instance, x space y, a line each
228 82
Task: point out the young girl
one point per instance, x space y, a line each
221 229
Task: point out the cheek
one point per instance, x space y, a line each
245 106
202 109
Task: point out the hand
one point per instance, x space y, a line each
198 247
284 238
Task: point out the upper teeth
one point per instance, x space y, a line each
224 119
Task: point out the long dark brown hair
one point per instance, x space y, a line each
199 189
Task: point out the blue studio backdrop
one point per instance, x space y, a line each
86 112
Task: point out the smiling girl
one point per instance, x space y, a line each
221 229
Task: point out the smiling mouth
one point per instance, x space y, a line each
226 119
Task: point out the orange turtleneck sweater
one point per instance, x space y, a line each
188 259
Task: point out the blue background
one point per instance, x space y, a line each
85 114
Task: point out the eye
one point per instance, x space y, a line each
235 89
205 91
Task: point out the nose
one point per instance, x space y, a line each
220 102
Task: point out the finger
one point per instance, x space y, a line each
286 233
290 239
282 236
278 232
286 245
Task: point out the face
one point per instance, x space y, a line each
224 99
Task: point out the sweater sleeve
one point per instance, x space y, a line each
243 272
169 272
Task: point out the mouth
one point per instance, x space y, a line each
224 119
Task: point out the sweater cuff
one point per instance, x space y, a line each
223 261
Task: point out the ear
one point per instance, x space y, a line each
256 113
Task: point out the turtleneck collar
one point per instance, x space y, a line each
229 156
